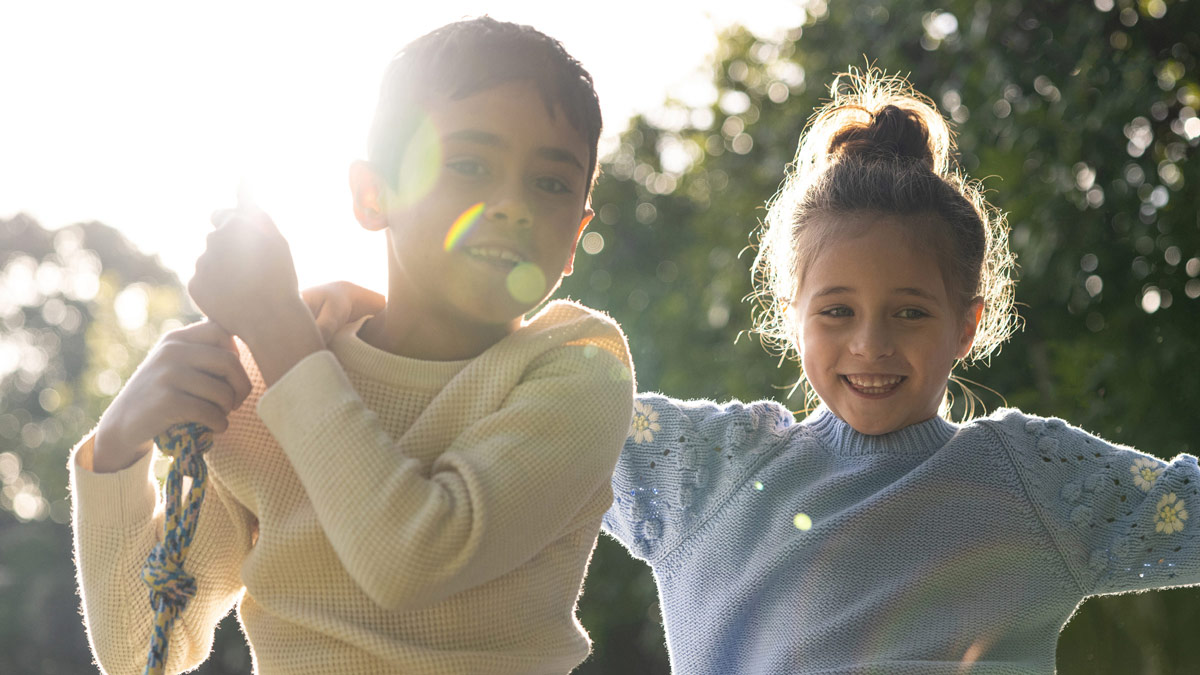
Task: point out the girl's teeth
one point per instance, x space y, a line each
874 384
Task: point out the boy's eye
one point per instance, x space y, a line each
467 167
912 313
552 185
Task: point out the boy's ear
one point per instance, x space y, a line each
588 214
970 325
367 188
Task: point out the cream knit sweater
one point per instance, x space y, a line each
378 514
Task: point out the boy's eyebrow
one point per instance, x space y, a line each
480 137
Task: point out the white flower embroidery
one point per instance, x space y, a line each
1171 514
1145 471
645 423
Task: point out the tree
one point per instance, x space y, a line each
1081 117
79 308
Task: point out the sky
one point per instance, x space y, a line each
147 116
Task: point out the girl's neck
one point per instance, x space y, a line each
921 438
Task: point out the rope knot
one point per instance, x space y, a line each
170 586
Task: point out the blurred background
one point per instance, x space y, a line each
1081 117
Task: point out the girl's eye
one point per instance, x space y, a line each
912 313
837 312
552 185
467 167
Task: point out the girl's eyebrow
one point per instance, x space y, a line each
916 292
907 290
833 290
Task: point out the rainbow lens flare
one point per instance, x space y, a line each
462 224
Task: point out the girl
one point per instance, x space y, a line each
876 536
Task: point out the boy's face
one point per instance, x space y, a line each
490 203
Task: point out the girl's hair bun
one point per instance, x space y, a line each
889 133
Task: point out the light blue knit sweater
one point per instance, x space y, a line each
934 549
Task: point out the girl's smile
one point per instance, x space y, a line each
878 331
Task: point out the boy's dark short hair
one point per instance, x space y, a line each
466 57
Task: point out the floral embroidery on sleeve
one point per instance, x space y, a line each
1171 513
645 423
1145 472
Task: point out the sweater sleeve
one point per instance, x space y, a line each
1120 518
681 461
117 518
512 482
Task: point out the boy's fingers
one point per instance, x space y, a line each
226 366
204 332
221 216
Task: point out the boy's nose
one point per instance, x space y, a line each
511 210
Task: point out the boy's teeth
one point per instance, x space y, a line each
495 254
874 381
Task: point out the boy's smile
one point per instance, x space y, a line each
878 332
484 219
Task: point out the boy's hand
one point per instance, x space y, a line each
192 375
245 274
338 303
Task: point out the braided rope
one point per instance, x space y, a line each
170 586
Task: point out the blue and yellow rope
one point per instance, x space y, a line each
170 586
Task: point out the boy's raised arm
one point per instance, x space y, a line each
246 282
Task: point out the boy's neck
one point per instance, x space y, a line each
419 333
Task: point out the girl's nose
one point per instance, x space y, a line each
872 340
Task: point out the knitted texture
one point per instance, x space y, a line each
378 514
810 548
170 585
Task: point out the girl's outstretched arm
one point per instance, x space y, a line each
1122 520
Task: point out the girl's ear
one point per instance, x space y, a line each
367 188
971 319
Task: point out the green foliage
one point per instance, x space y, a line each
1082 123
79 308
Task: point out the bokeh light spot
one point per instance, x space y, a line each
593 243
802 522
758 485
421 164
526 283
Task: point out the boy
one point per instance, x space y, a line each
423 496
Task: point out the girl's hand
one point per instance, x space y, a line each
194 374
338 303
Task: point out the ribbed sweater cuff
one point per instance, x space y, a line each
312 389
114 499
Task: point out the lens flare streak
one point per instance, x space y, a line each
462 225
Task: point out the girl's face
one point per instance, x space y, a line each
878 331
